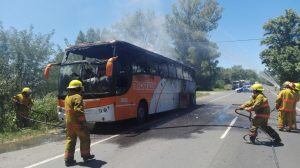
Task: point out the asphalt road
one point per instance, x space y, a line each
198 137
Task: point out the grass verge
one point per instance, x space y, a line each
201 94
23 134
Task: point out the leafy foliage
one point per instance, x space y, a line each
228 75
44 109
282 39
23 56
93 35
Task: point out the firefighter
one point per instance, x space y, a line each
286 105
23 104
280 113
259 104
76 124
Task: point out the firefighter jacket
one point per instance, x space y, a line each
74 109
260 105
22 103
287 100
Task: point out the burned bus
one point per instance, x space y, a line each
123 81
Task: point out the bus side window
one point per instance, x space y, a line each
123 80
190 76
179 72
172 71
164 72
185 74
141 68
154 68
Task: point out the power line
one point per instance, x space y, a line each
230 41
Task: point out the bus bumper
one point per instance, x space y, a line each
93 115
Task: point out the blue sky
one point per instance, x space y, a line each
241 19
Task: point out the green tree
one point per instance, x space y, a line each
235 73
52 82
93 35
23 56
189 25
282 39
29 53
80 38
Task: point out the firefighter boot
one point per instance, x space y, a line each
87 158
252 139
70 162
272 133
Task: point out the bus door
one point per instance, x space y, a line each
125 98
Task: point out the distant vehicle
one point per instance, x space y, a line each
238 84
235 85
245 88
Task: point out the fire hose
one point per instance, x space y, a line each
40 122
35 120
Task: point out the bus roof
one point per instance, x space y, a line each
118 48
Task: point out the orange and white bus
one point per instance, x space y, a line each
123 81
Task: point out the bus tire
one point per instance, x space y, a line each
192 99
142 112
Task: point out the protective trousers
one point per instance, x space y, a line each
74 131
21 121
286 119
280 119
294 120
257 122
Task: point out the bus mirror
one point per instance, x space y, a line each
109 66
47 69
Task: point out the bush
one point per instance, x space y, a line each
228 87
220 84
44 109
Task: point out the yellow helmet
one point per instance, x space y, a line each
75 84
297 86
291 85
26 90
257 87
286 83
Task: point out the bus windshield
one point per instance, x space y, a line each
90 71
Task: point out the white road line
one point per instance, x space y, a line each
58 156
228 129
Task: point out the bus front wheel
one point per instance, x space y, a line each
142 113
